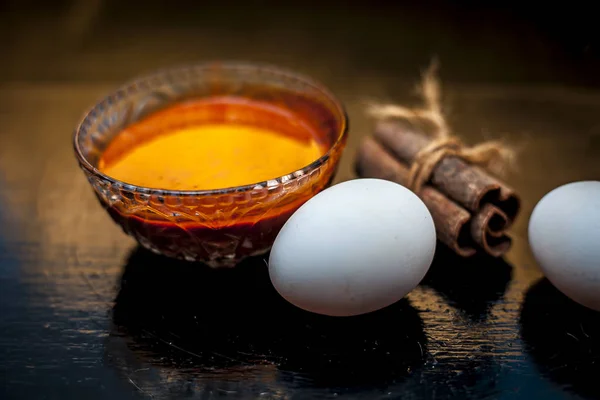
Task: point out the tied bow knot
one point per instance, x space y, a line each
492 155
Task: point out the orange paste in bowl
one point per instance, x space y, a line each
211 144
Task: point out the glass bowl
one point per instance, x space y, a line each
217 227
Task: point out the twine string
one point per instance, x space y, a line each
492 155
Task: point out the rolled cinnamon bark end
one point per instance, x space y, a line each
466 184
509 202
493 220
497 247
492 228
487 232
451 221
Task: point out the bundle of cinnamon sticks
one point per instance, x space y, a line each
471 208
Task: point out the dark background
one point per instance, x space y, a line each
86 314
505 41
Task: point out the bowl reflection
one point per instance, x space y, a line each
181 323
563 338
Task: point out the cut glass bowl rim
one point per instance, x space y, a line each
143 82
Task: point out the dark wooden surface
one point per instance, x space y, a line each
86 314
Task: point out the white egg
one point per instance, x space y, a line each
564 234
356 247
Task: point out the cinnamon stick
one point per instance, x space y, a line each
487 231
454 225
466 184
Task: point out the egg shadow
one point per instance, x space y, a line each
472 285
563 338
198 320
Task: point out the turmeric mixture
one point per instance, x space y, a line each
207 154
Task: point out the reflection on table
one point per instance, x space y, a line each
176 322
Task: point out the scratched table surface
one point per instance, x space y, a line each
86 314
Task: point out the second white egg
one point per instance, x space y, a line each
564 234
354 248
